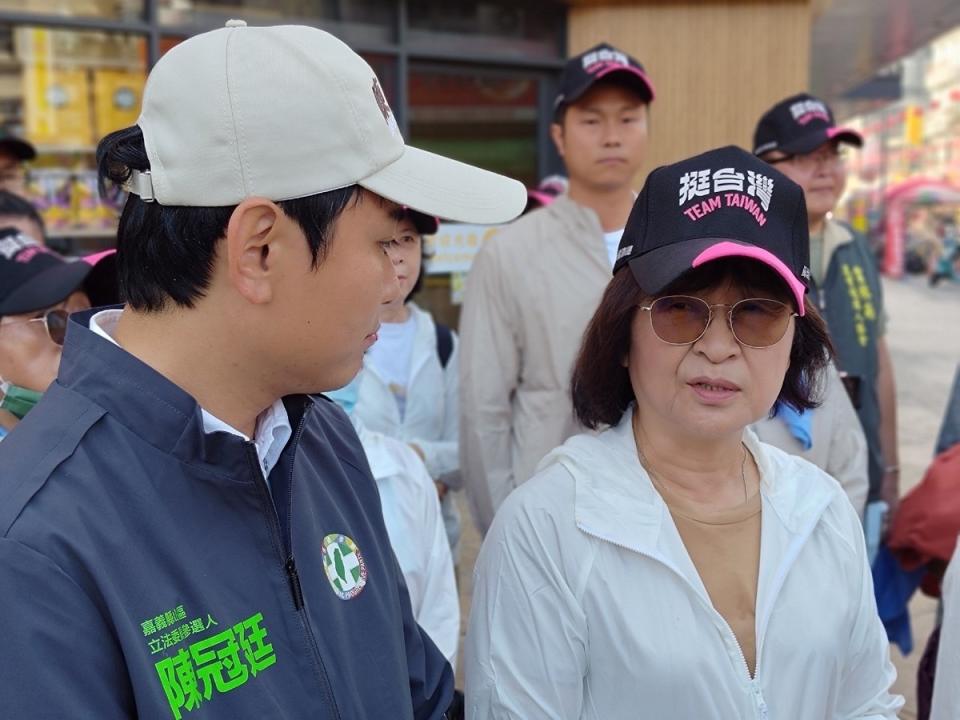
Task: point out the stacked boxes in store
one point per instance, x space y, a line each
69 202
77 87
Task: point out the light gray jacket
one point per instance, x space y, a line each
529 296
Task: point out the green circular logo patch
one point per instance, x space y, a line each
344 566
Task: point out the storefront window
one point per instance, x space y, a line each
62 90
507 28
483 117
369 21
477 115
110 9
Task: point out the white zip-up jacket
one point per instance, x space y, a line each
946 689
431 420
411 513
587 605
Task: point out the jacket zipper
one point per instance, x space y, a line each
289 564
754 685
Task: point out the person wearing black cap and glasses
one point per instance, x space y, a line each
671 565
801 139
38 289
520 330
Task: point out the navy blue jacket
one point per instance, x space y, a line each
147 570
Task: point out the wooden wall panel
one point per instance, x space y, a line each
716 65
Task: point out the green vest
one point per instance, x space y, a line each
851 302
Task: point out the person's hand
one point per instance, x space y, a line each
441 489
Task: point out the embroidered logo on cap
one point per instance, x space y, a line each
21 248
807 110
344 565
600 59
385 108
726 187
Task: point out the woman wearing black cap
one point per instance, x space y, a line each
38 289
672 565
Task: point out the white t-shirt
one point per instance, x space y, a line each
612 239
392 355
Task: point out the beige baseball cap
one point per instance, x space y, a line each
291 111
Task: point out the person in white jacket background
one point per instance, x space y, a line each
411 513
672 565
408 388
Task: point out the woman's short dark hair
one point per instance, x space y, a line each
601 388
425 256
166 253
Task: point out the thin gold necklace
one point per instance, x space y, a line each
655 476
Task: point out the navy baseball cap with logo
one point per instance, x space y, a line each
799 125
599 62
34 277
724 203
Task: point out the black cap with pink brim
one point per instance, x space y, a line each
600 62
722 204
799 125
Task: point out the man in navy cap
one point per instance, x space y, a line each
519 339
800 138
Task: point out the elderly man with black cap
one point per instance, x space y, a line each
801 139
520 331
38 289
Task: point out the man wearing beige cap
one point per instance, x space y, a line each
186 528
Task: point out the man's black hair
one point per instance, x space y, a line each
13 205
166 253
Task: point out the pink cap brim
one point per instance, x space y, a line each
834 131
93 259
633 71
542 198
728 249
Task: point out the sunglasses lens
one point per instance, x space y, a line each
759 322
679 319
56 321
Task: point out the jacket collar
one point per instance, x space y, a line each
147 403
615 499
583 224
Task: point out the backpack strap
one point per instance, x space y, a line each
444 344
